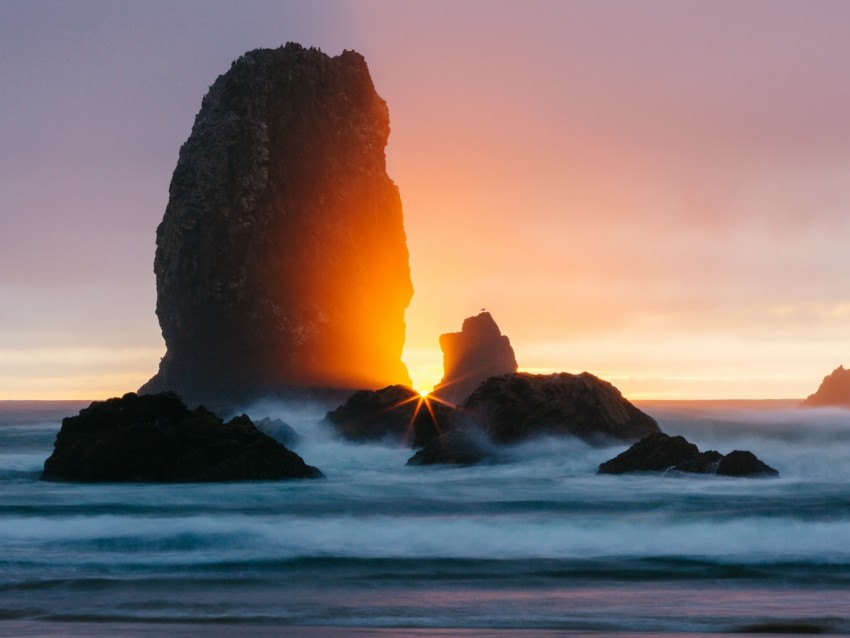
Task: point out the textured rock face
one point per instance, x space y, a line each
833 391
395 412
661 453
156 438
477 352
281 260
515 407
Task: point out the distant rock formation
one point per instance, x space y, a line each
477 352
660 452
396 412
834 391
156 438
515 407
281 260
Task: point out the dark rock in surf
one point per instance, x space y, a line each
655 453
455 447
156 438
396 412
834 391
281 260
663 453
515 407
512 408
471 356
702 463
744 463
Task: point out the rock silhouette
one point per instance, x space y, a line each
515 407
396 412
156 438
654 453
477 352
454 447
834 391
281 260
512 408
744 463
660 452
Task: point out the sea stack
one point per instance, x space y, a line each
479 351
834 391
155 438
512 408
281 260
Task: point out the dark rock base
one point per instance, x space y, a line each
156 438
663 453
396 412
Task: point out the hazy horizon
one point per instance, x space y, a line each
654 192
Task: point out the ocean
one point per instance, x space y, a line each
535 546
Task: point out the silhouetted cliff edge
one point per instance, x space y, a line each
834 391
281 261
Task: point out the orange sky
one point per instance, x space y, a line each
655 192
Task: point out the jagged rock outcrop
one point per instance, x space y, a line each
515 407
660 452
479 351
834 391
156 438
281 260
396 412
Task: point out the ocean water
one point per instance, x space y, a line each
537 545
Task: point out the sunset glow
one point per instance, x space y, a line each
461 319
654 192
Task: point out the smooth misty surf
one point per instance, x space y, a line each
538 544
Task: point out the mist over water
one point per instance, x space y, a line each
536 540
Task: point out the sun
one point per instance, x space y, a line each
424 393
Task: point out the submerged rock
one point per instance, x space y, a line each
516 407
834 391
471 356
660 452
156 438
455 447
395 412
281 260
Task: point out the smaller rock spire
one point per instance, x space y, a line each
479 351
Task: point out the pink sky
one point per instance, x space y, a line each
655 192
